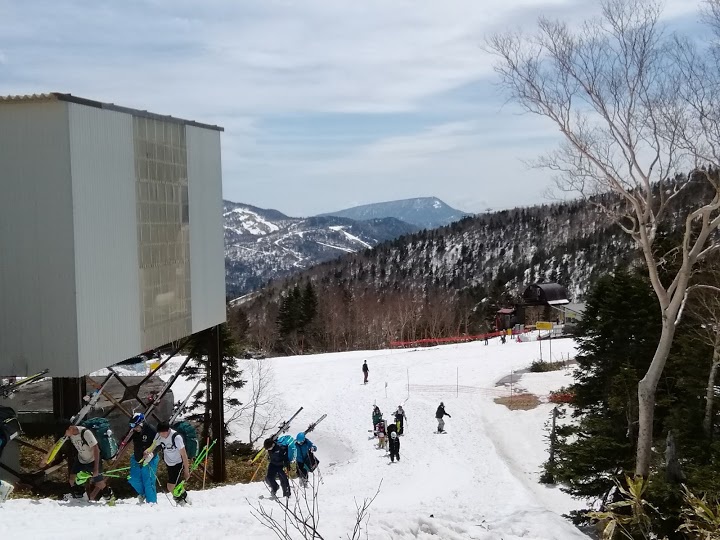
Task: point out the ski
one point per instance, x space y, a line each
9 388
282 429
315 423
158 398
150 449
92 400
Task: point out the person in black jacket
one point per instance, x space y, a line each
142 478
278 460
394 446
365 370
439 414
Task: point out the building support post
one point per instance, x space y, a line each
68 393
217 401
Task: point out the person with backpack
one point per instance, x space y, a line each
400 419
439 415
376 416
366 371
279 460
87 460
394 443
142 477
175 456
305 460
380 430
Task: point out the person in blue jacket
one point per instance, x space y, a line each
142 478
305 457
279 458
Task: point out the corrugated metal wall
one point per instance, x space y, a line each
37 283
106 236
207 254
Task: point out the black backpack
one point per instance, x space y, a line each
9 426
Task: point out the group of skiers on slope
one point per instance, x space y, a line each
281 453
143 462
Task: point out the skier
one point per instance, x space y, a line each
400 419
175 456
394 447
305 459
142 478
87 460
365 370
439 414
376 415
279 460
380 430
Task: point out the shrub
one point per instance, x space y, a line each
541 366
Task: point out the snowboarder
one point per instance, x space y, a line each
87 460
175 456
400 419
380 431
376 415
279 460
394 446
142 478
305 459
439 414
365 370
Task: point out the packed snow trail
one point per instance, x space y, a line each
477 481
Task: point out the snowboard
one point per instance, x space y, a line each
439 432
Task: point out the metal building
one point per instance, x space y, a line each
111 233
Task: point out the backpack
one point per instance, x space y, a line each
100 427
9 426
189 436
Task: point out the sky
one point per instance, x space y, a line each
326 104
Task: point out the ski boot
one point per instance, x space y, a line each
181 500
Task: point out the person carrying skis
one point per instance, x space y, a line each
439 414
365 370
279 460
394 443
142 477
305 460
175 456
400 419
87 460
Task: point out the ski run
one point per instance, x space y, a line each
477 481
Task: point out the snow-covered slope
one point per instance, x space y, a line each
424 212
478 481
261 245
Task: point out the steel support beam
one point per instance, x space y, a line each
68 393
217 401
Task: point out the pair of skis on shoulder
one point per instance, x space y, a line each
6 390
285 426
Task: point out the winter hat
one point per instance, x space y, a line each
137 419
300 437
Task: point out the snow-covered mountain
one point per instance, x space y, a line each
423 212
261 244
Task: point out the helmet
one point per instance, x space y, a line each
137 419
393 435
300 437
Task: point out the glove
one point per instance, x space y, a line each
314 448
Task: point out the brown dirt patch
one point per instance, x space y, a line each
519 402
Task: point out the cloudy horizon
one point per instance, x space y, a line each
325 105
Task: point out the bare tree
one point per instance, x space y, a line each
301 518
260 409
705 306
630 124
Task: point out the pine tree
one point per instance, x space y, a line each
197 369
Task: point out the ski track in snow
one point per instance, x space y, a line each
478 481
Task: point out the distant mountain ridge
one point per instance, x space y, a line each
265 244
423 212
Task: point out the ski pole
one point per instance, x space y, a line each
252 479
84 476
207 443
180 488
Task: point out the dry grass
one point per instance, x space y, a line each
519 402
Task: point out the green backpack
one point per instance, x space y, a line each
189 437
100 427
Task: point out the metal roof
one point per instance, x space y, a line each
58 96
